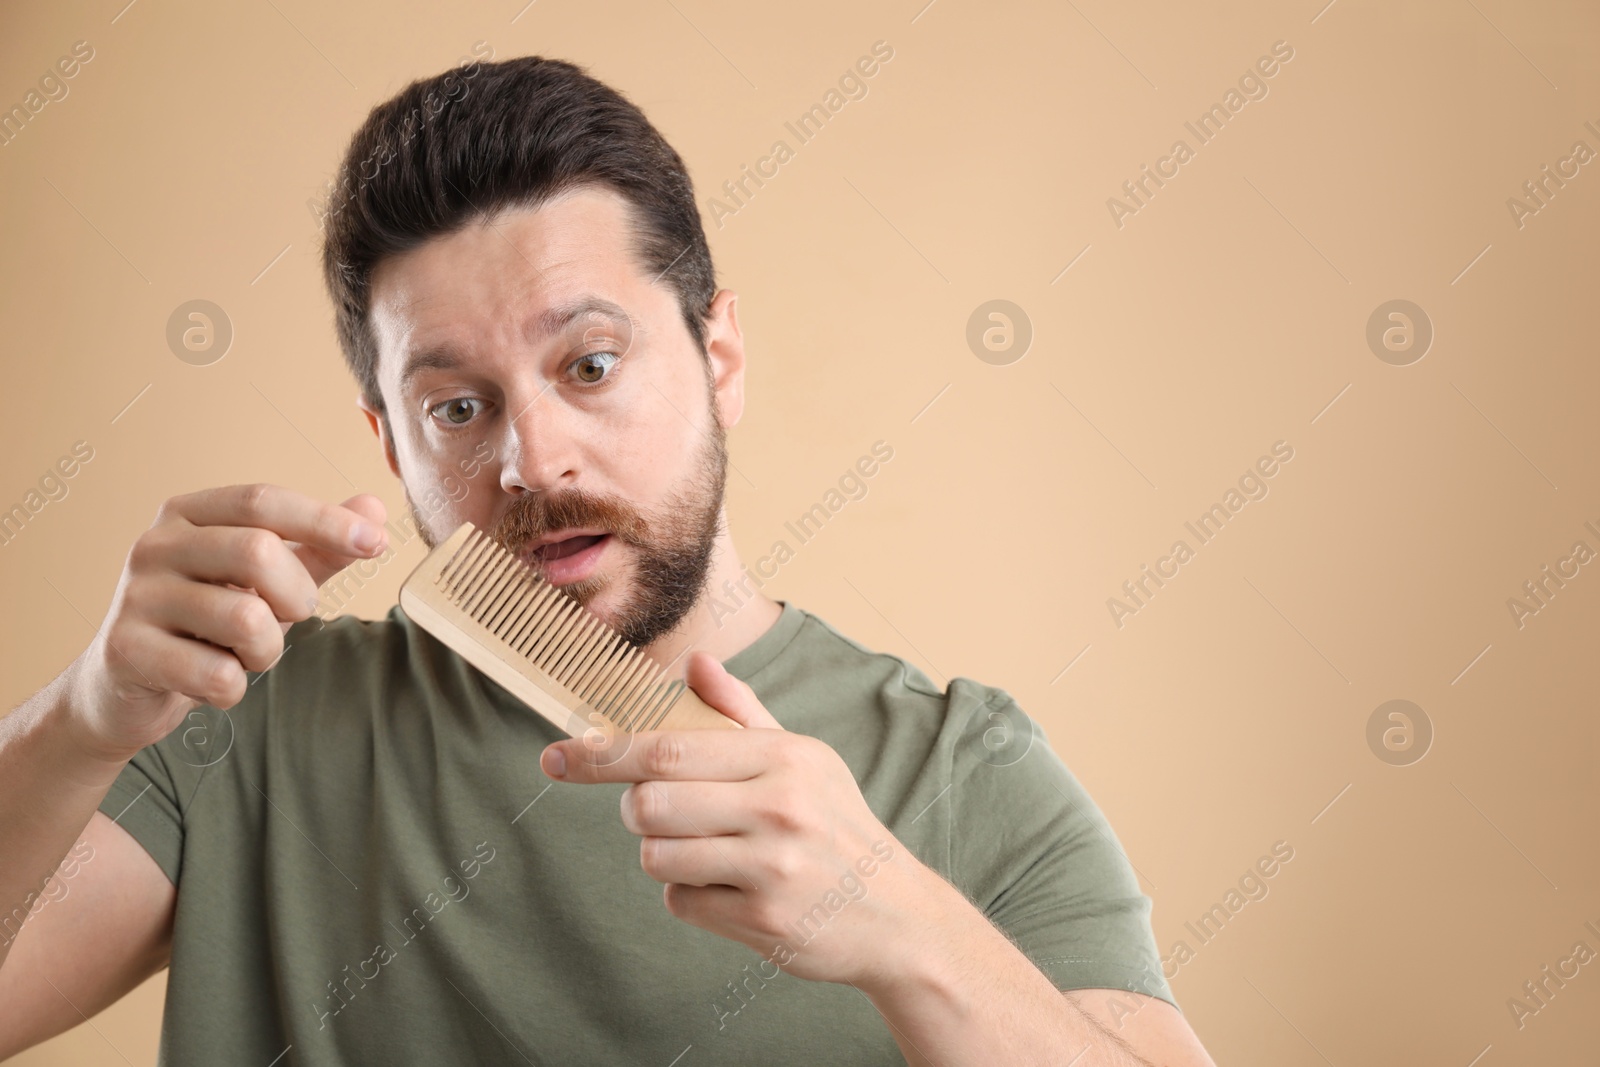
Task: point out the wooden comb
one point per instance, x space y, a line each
539 643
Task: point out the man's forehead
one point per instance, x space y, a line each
524 274
419 299
512 256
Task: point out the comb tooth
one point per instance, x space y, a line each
642 688
669 696
577 645
449 565
471 568
577 650
606 672
488 602
614 671
558 633
550 629
547 625
472 573
511 626
533 627
594 667
586 673
449 576
639 698
629 689
453 564
571 639
508 595
507 568
497 566
511 604
645 711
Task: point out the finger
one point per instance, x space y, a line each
321 563
687 809
243 557
701 861
711 906
291 515
712 683
238 621
702 755
174 664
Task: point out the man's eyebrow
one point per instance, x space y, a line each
559 317
440 357
550 321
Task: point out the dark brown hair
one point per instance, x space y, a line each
448 149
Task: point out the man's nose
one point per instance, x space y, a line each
539 448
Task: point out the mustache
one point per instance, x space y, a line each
536 514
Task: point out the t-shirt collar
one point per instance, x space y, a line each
750 660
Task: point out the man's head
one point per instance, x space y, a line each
524 293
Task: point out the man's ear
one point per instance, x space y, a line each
380 427
725 351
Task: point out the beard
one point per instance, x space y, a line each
673 545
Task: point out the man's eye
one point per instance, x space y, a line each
592 366
455 412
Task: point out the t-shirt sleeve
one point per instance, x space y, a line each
143 801
1037 856
212 748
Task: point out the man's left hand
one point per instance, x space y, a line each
762 836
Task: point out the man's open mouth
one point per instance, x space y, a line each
562 549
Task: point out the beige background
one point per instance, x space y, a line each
1229 313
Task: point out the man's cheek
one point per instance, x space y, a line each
432 501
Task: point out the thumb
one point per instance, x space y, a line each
322 564
712 683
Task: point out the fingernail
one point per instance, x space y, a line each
366 536
554 762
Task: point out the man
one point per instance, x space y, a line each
373 853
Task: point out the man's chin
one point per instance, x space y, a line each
597 593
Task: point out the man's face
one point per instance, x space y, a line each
541 385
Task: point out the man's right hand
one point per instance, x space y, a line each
206 594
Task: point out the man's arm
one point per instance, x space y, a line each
76 931
954 988
206 594
971 997
99 933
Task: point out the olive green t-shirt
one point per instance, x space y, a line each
372 868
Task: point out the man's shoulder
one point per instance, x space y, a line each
980 720
343 634
818 642
347 650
